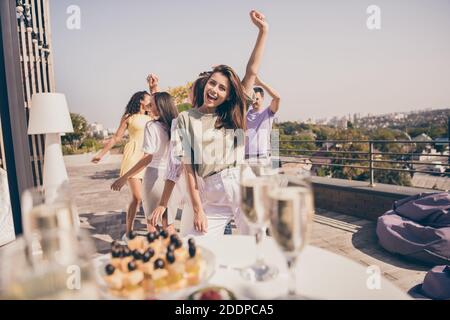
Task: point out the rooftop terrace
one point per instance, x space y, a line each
102 211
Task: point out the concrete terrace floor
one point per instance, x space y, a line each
102 211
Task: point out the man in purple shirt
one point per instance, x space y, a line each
259 122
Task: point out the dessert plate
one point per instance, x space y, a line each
206 273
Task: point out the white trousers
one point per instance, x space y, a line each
220 196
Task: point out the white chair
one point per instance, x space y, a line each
6 220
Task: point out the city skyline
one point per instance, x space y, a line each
322 58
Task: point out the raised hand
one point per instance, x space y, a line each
153 81
259 20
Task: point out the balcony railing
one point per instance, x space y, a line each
405 161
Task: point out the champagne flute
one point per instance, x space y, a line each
255 183
48 208
291 215
52 264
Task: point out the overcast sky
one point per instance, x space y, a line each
320 55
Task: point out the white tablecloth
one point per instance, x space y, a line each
320 273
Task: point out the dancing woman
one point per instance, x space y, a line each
174 173
211 143
154 160
134 120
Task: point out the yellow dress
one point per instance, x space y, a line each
132 152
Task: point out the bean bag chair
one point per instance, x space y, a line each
418 227
436 284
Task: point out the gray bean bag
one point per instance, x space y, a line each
418 227
436 285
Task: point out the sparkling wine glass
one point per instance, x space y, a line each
255 183
291 216
48 208
53 264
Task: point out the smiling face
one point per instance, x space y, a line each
217 90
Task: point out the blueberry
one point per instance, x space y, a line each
171 247
174 238
110 269
170 256
163 234
159 264
151 236
178 244
191 242
192 251
137 255
132 266
116 252
148 255
132 235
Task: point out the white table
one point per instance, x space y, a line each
320 273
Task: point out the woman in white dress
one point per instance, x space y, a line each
156 151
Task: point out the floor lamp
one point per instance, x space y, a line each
49 115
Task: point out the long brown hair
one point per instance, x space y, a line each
198 88
166 108
231 113
134 105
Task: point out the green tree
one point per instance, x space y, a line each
350 173
80 128
399 178
183 107
91 144
387 134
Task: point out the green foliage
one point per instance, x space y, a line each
67 150
392 177
91 144
80 128
183 107
76 142
387 134
347 172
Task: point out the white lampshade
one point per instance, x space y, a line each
49 113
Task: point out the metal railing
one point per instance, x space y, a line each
408 161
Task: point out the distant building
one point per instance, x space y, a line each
96 130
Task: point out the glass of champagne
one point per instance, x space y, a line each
48 208
53 264
255 183
291 216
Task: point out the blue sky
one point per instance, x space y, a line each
320 55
